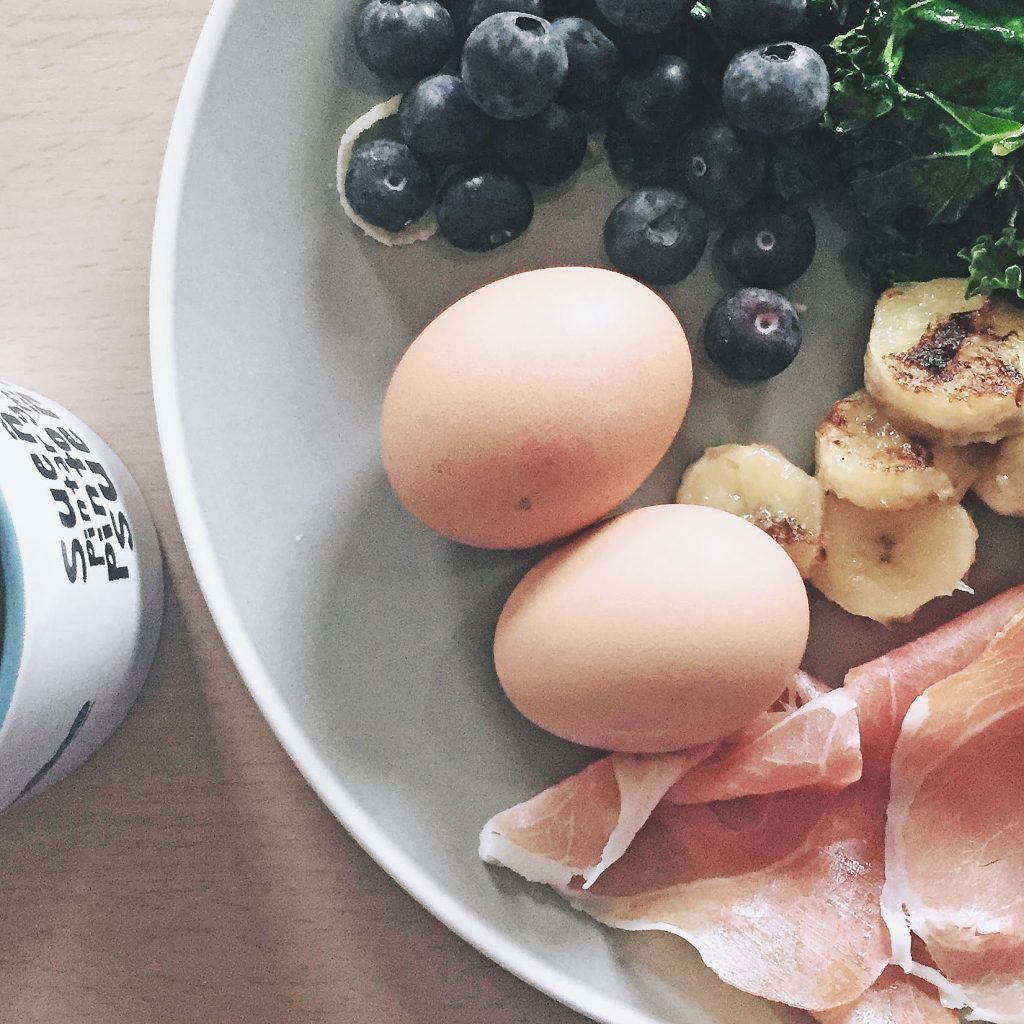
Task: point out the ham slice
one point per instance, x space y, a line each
895 998
955 836
708 870
779 893
579 827
885 688
767 852
802 689
814 745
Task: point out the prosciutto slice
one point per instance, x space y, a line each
777 890
579 827
814 745
779 894
768 851
895 998
955 835
576 829
885 688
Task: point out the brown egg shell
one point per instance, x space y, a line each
535 405
667 627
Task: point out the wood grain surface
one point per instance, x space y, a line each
186 873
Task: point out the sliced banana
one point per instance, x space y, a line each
863 457
948 368
1001 483
758 483
886 564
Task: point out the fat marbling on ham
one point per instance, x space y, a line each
894 999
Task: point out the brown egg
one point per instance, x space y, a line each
535 405
664 628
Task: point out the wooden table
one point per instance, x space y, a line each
186 873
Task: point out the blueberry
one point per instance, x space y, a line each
657 235
769 246
636 49
441 123
543 149
459 10
776 89
513 65
720 167
643 16
481 10
594 64
637 158
480 209
387 184
752 334
658 97
570 8
404 38
759 19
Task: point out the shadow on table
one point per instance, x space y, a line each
144 888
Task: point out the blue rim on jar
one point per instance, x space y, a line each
12 610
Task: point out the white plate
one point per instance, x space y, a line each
365 639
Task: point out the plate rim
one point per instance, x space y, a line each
402 869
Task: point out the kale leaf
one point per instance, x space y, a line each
996 262
927 110
806 168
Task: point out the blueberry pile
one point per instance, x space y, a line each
501 95
497 99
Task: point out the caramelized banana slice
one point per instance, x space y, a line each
758 483
1001 483
885 565
948 368
863 457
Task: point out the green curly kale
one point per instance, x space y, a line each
996 262
927 110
